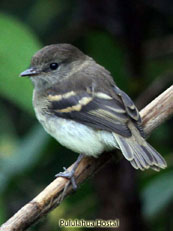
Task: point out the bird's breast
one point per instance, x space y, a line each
73 135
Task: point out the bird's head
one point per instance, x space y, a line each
53 63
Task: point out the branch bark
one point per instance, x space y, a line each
152 115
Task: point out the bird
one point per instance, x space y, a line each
79 104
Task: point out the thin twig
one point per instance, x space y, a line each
152 115
154 89
160 109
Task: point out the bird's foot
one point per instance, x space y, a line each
70 174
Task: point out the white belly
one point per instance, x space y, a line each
78 137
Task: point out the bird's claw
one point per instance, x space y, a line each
69 175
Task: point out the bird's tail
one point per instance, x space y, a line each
140 154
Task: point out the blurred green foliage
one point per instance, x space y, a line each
29 158
21 155
109 54
18 44
152 195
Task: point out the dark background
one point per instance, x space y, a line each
132 39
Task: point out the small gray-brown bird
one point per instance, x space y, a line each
79 104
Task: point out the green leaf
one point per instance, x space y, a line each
17 46
28 153
157 194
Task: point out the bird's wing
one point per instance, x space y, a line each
114 112
97 109
131 109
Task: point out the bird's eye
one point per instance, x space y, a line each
54 66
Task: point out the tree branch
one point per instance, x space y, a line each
152 115
156 112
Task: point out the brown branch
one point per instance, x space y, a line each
154 89
152 115
160 109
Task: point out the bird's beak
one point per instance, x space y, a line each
29 72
